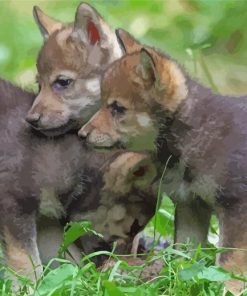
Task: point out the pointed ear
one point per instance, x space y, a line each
127 42
88 25
146 68
46 24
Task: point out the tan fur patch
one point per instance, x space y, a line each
115 177
129 170
63 35
235 263
46 100
170 83
102 121
52 111
18 257
100 128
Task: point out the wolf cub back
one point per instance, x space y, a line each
59 178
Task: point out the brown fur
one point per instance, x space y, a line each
201 137
69 66
135 94
18 257
43 179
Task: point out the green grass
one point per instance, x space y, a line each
182 274
185 272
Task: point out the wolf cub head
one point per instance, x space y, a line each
69 66
135 89
126 203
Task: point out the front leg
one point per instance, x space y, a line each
20 244
50 238
192 222
233 234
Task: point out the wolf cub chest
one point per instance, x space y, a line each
50 204
180 189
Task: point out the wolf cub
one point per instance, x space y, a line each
201 136
58 178
70 64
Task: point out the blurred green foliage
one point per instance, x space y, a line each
209 37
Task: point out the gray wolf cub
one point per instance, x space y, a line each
58 178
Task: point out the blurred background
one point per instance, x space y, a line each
209 37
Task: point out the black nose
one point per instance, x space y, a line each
33 119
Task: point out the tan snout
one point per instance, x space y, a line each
45 106
100 130
101 122
85 130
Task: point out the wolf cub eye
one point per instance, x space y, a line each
116 108
61 84
38 83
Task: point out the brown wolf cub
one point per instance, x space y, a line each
69 66
202 136
60 178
